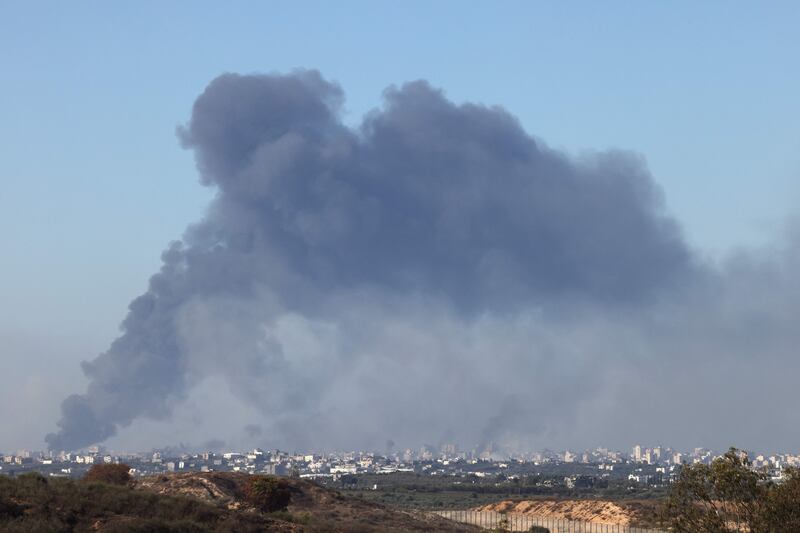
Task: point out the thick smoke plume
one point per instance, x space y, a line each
435 273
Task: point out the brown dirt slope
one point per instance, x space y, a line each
312 508
597 511
32 502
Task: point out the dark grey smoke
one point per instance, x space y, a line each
253 431
343 278
426 196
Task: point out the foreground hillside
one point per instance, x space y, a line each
192 502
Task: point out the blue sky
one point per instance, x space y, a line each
95 184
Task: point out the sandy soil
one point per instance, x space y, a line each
597 511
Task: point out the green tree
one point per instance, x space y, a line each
729 495
782 507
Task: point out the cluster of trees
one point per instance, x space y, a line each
729 495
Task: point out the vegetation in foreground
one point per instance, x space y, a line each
107 501
32 502
729 496
113 474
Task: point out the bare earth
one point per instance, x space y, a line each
597 511
315 507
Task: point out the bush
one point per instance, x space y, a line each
267 493
781 511
118 474
729 495
32 502
9 509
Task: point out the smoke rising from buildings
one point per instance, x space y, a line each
435 271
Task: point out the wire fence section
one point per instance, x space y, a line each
524 522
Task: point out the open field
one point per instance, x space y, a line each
412 491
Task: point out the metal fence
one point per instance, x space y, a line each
523 522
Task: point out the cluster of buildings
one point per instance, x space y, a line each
643 465
667 456
257 461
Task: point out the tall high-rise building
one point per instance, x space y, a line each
448 449
637 453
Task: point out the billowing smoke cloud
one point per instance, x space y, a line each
434 273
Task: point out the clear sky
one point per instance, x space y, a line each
95 184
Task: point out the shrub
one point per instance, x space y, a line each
267 493
781 511
729 495
9 509
118 474
34 503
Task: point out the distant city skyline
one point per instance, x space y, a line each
657 467
652 454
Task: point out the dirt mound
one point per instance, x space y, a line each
312 508
211 487
597 511
32 502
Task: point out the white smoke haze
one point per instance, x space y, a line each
437 274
